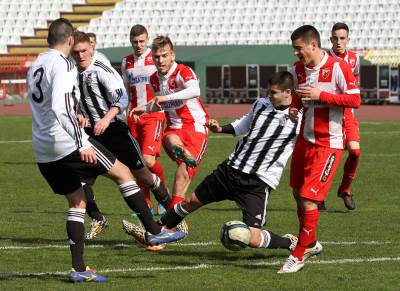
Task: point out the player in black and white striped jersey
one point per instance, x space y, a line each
65 153
103 104
255 167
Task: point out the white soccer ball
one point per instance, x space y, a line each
235 235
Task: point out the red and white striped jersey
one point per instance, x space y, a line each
351 58
187 113
322 121
136 72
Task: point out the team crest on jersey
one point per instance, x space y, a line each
352 63
325 73
301 77
283 120
328 168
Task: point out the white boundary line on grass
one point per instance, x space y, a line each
195 244
212 266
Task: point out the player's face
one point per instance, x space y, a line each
83 54
339 40
164 59
139 44
93 42
305 52
279 97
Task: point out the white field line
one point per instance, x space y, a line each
213 266
227 136
195 244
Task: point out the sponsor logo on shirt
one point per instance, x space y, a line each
173 104
328 167
138 79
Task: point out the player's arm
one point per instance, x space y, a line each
215 127
116 95
191 89
125 79
62 105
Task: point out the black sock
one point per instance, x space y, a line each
134 197
174 216
75 231
273 241
91 207
161 192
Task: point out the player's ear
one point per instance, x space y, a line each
173 56
331 39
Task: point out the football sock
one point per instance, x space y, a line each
134 197
146 193
91 207
175 200
160 192
174 216
270 240
349 170
158 170
75 232
307 235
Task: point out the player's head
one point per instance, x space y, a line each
339 37
306 43
60 33
139 39
280 88
93 39
82 50
163 53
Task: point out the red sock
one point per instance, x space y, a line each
308 234
146 192
175 200
350 168
158 170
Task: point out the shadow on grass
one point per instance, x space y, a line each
63 277
19 163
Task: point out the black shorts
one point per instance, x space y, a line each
65 175
118 140
248 191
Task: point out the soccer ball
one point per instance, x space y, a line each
235 235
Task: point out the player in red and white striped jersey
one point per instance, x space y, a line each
340 39
177 92
325 86
148 129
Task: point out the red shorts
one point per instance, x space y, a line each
193 141
352 131
148 132
313 168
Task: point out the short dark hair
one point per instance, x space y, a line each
340 25
80 36
283 79
161 41
59 31
137 30
91 34
307 33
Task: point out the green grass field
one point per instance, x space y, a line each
361 248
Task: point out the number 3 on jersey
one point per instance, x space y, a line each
38 75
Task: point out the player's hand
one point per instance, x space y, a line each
83 122
101 126
159 100
137 111
293 114
89 155
214 126
309 93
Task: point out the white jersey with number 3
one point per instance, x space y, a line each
53 93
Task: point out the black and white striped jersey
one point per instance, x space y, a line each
101 88
267 144
53 95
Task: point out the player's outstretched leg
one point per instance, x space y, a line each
99 221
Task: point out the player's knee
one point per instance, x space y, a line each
120 173
355 153
149 160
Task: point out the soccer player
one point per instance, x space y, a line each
65 153
340 39
98 55
103 104
325 87
255 167
136 70
177 92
